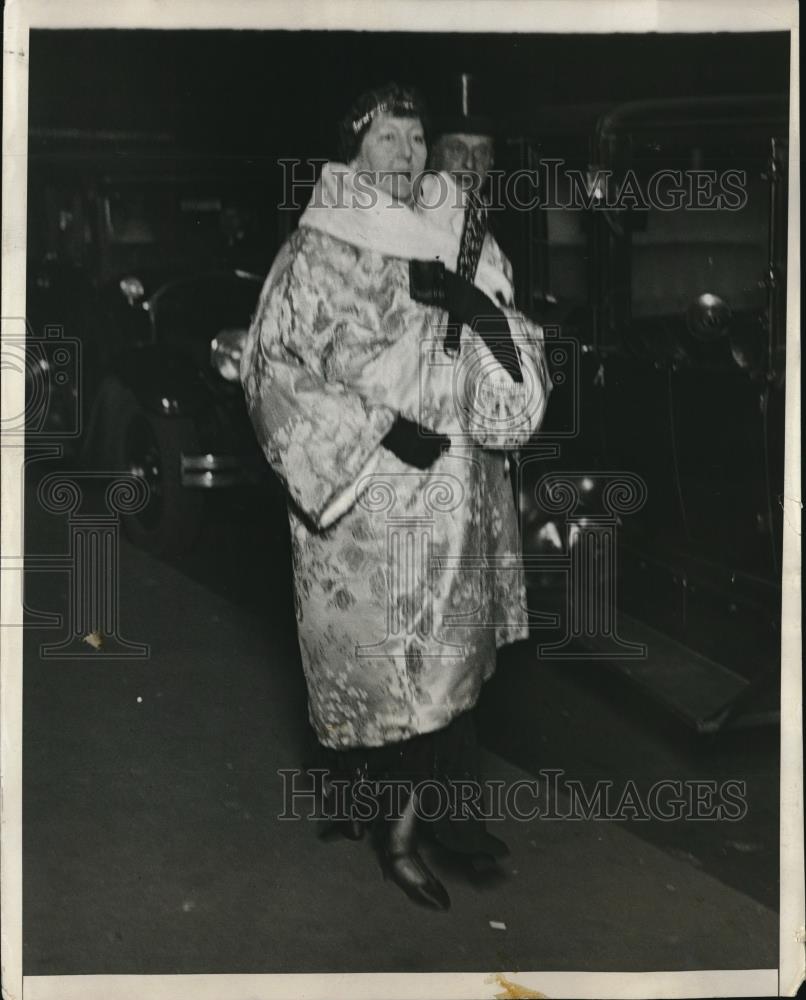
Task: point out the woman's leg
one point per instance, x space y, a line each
403 767
457 767
343 770
448 756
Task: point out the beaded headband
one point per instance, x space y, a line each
358 124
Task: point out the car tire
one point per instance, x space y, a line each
151 447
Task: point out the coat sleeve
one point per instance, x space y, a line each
388 349
320 438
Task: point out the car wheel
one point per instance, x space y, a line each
151 447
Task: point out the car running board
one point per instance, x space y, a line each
703 693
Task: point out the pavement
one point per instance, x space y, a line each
152 843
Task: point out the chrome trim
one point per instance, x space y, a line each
212 471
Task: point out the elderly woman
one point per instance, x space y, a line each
384 389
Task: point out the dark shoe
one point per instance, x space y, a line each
396 842
414 877
469 852
481 871
353 829
345 824
469 839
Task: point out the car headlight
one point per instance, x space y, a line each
225 353
132 289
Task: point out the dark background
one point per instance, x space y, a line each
277 92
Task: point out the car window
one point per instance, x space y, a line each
678 255
567 247
200 222
137 217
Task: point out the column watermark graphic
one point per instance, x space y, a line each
589 564
408 545
92 563
92 502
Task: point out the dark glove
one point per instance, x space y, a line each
431 283
406 440
427 282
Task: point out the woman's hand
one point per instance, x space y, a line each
408 441
431 283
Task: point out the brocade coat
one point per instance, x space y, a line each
407 581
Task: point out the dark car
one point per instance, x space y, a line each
171 411
147 260
677 316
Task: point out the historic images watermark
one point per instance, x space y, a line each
552 185
551 796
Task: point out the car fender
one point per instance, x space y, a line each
165 383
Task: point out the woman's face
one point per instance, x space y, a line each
394 150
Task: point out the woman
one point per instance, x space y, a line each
390 443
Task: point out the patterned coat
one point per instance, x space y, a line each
406 581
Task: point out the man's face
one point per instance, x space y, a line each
463 153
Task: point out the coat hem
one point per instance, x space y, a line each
396 732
